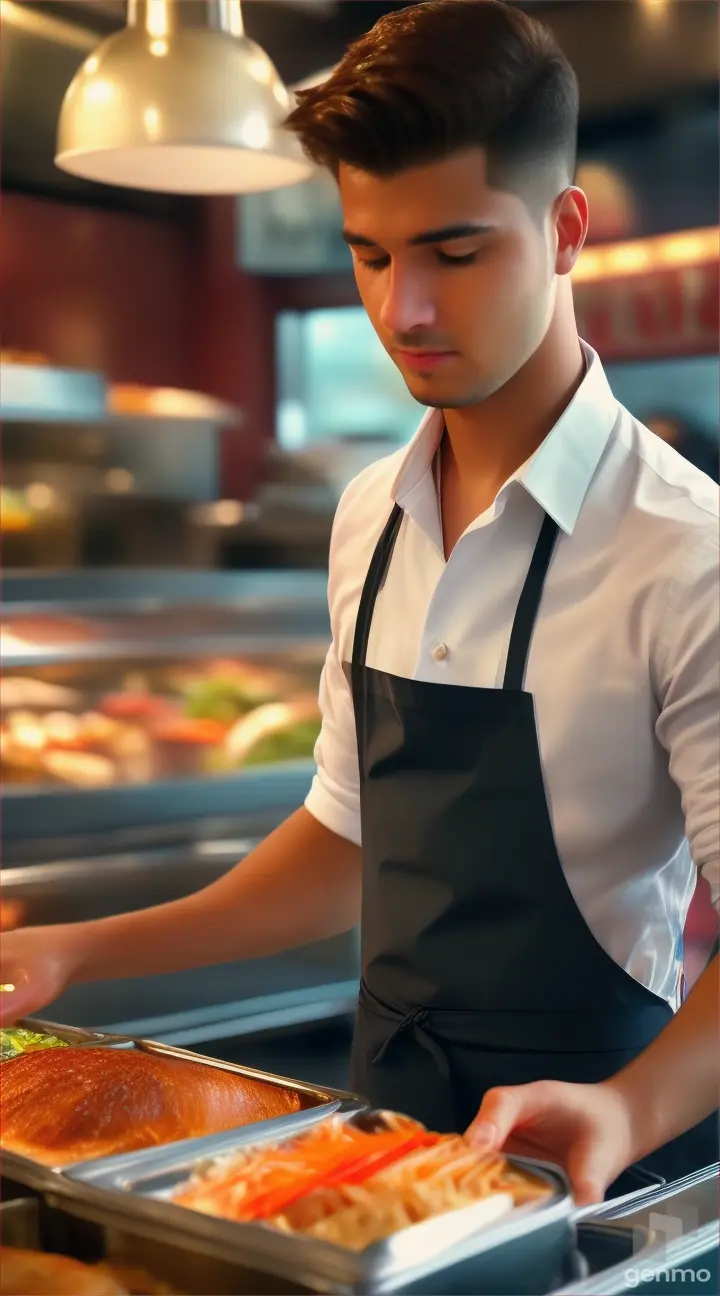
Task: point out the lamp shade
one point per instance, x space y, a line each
180 101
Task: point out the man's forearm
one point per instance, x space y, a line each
303 883
675 1082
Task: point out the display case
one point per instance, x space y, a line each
133 700
101 472
154 727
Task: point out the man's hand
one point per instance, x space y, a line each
36 965
596 1131
586 1129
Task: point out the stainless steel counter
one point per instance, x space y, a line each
36 823
682 1220
313 984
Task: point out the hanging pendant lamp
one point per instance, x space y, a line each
180 101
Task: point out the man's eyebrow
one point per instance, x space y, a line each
446 234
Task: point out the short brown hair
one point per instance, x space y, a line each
440 76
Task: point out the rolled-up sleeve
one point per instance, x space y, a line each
688 681
334 797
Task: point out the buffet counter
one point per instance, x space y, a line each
189 1175
153 728
155 699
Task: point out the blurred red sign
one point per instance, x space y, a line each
664 313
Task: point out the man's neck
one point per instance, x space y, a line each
487 443
484 445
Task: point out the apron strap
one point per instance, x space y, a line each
373 584
416 1020
525 615
527 608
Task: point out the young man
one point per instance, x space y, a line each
520 702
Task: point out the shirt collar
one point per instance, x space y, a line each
559 473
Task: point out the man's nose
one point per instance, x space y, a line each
408 304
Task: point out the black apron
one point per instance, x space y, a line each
478 968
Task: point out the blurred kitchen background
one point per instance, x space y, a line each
187 384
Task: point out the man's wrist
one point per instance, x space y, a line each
635 1093
69 945
83 949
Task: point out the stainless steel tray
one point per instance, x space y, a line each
694 1200
524 1252
75 1035
656 1264
609 1252
20 1168
316 1101
601 1263
20 1223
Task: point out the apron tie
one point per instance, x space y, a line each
417 1019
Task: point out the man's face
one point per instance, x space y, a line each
457 278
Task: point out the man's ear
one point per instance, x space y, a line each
571 223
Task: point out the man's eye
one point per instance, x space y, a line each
445 258
378 263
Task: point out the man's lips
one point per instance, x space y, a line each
424 360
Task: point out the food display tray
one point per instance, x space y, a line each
524 1252
75 1035
599 1263
316 1101
21 1169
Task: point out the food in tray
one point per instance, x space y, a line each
38 1273
74 1104
171 722
276 732
353 1186
181 741
48 630
34 1273
14 355
17 691
136 705
15 1040
81 769
63 731
87 750
227 696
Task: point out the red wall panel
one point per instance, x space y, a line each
312 292
97 289
230 326
154 301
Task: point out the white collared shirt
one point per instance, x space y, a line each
624 663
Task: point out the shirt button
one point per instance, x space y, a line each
441 652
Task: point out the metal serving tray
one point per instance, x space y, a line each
75 1035
19 1168
523 1253
656 1264
693 1200
600 1262
316 1101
